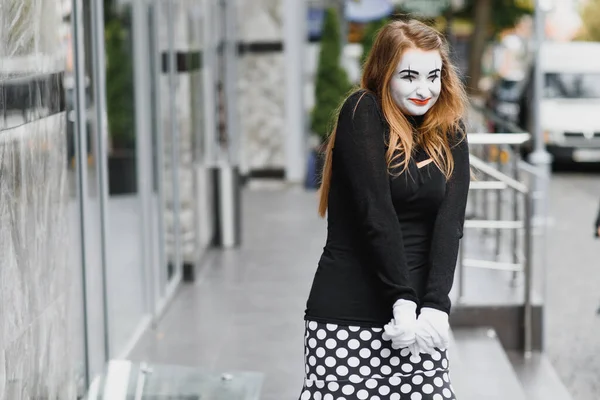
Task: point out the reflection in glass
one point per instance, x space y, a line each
124 269
41 313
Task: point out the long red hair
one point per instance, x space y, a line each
440 122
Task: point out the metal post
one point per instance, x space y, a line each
528 266
294 42
540 156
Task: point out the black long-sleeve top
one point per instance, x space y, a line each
389 236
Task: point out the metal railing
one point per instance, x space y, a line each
500 171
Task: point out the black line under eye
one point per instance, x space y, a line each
433 77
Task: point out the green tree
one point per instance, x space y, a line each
591 22
119 86
369 37
490 17
332 83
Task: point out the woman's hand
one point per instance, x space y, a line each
401 329
432 330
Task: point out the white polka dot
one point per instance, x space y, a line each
385 353
437 356
362 394
317 396
445 363
375 398
328 396
330 362
342 334
407 367
309 383
353 344
321 370
331 327
415 359
341 352
371 383
365 353
406 388
416 396
386 337
354 328
417 379
307 369
386 370
376 344
320 352
394 361
353 362
312 325
377 376
312 343
395 380
320 384
305 395
321 334
395 396
384 390
446 377
428 364
375 362
377 330
405 352
331 378
355 379
366 335
438 382
313 377
437 397
330 344
447 393
333 386
312 361
365 371
342 370
427 388
348 390
431 373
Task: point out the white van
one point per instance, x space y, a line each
570 101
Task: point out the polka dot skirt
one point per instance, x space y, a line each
351 362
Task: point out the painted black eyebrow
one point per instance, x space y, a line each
412 72
409 71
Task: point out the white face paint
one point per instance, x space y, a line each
416 84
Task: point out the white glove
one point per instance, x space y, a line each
432 330
402 328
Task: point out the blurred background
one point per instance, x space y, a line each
159 161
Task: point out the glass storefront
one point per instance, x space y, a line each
109 134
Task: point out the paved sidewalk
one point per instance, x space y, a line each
246 310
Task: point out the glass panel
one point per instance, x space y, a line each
154 381
125 270
42 330
168 103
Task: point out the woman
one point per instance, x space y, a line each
394 188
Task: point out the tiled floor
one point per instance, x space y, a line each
245 312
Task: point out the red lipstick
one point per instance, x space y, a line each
421 102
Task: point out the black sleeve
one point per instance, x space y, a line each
447 231
360 150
